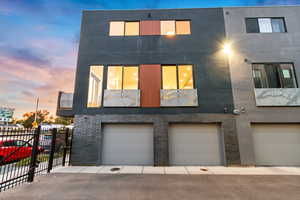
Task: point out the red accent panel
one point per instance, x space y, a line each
150 27
150 84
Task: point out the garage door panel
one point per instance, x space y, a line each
126 144
276 144
194 144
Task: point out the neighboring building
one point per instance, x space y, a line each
207 86
6 115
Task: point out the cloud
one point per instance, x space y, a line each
26 55
26 76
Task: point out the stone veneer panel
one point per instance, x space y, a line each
277 97
173 98
121 98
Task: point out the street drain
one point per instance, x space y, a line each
114 169
204 169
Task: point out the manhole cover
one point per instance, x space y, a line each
204 169
115 169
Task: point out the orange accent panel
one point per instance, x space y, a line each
150 84
150 27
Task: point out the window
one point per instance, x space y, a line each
114 78
278 25
122 78
167 27
274 75
185 76
177 77
169 74
116 29
265 25
130 78
150 27
132 28
252 25
95 86
183 28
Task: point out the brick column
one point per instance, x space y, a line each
87 136
161 145
231 143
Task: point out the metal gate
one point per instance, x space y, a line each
25 153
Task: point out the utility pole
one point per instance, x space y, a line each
35 124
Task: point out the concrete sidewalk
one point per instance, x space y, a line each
188 170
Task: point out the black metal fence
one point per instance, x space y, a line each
25 153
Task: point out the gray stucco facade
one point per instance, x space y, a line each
223 83
260 48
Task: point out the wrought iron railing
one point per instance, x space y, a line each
25 153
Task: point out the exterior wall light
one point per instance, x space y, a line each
227 48
170 33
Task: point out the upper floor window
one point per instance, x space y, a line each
122 78
183 28
150 27
177 77
132 28
167 27
116 28
265 25
274 75
95 86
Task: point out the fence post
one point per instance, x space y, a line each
34 154
70 148
52 151
65 147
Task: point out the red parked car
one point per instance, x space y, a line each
15 150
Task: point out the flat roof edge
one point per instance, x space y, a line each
161 9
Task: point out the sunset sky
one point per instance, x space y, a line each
39 41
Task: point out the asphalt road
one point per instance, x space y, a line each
157 187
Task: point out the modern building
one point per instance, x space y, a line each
6 115
204 86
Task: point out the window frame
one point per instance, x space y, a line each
284 24
122 81
102 86
177 76
123 28
165 20
139 30
190 22
257 20
277 73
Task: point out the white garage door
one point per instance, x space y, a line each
127 144
195 144
277 144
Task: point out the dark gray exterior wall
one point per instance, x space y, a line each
87 137
201 48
